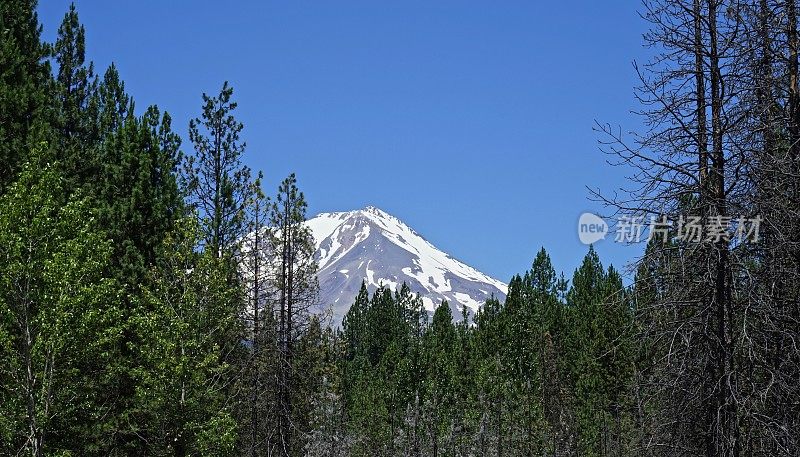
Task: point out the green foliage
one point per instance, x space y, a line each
291 240
534 375
600 323
138 197
25 86
59 324
124 320
188 335
295 285
75 90
216 181
382 364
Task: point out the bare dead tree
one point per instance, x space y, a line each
690 163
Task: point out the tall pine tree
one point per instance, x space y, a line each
217 182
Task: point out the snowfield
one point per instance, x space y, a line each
374 246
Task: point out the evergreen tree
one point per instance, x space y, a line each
491 383
25 87
353 363
189 335
295 290
440 391
314 383
113 104
217 183
328 436
138 197
77 104
133 184
260 364
383 371
601 357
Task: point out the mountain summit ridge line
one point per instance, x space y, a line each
371 245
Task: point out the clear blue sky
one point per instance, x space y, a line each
470 121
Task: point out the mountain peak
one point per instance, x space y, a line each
373 209
372 245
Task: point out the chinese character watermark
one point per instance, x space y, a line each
687 229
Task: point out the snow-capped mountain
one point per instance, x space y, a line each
374 246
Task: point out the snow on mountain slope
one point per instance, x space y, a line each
377 247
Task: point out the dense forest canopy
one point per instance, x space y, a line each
154 300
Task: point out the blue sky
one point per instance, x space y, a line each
470 121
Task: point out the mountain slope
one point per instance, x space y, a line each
374 246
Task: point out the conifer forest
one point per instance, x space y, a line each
158 297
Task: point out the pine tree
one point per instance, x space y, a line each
260 364
352 360
383 371
25 87
133 184
440 390
687 163
491 382
113 104
217 182
75 91
138 194
328 436
600 354
296 289
188 337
